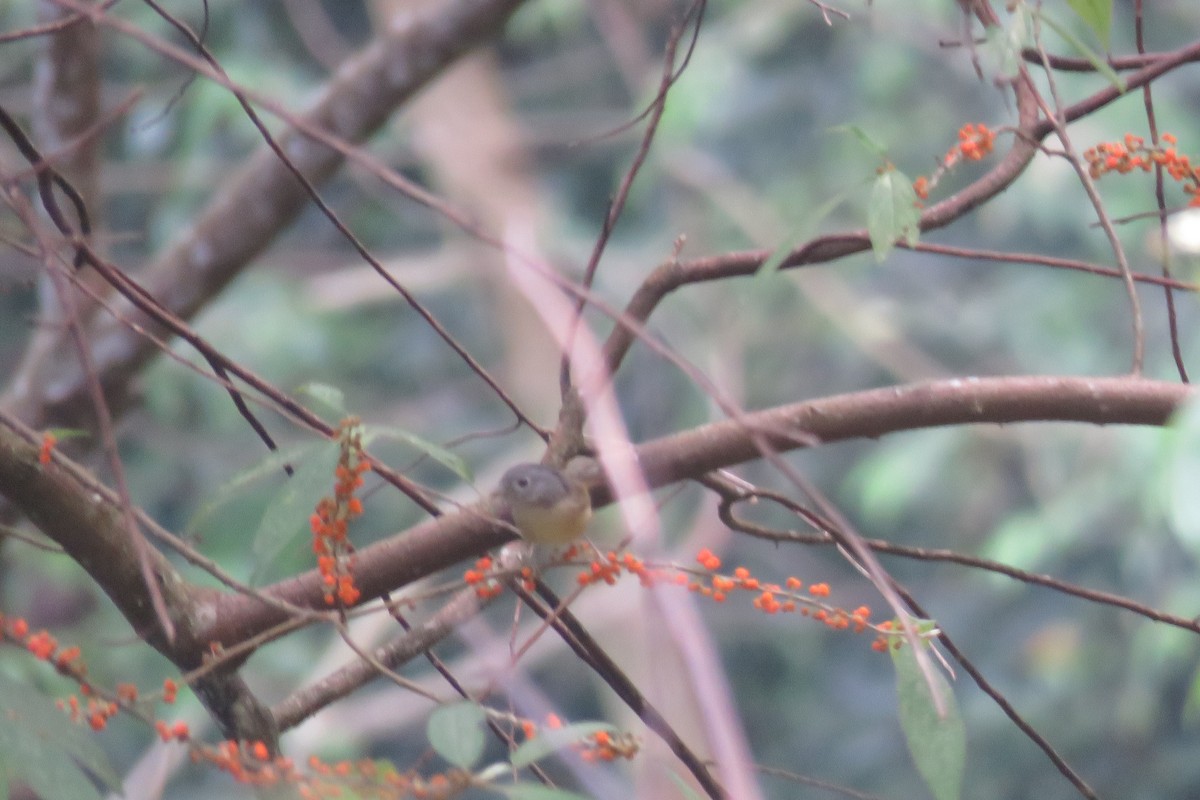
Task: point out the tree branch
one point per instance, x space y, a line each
263 197
452 538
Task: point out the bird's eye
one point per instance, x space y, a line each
523 483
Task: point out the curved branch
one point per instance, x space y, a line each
822 249
452 538
674 274
88 525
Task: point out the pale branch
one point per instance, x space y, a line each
303 703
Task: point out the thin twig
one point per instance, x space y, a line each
1057 118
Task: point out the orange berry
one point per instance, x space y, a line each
65 658
41 644
48 442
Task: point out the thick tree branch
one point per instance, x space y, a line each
452 538
92 531
263 197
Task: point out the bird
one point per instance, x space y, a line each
548 506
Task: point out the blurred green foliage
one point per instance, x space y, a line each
747 154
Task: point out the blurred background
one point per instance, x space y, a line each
528 136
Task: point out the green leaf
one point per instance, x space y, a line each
876 148
1181 475
42 747
813 219
287 515
451 461
62 434
803 230
1007 43
1097 14
892 213
536 791
1191 704
896 474
455 731
1091 55
938 744
552 740
333 398
271 465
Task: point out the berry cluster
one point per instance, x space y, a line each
330 521
92 704
483 578
770 598
595 747
1133 153
49 440
975 141
370 779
